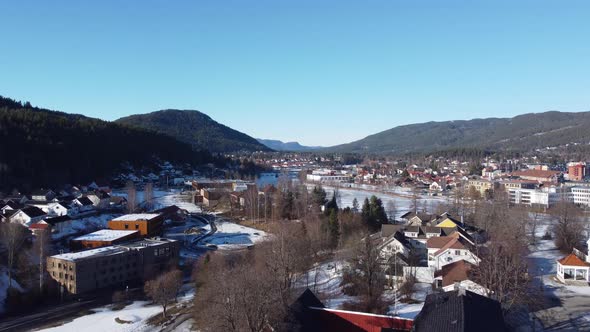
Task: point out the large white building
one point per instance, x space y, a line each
579 195
537 197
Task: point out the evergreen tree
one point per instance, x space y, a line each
355 205
334 228
318 196
332 205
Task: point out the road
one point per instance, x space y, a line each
47 316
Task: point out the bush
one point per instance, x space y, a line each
407 288
547 236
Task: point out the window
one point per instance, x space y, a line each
457 252
126 226
136 226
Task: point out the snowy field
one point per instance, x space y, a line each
402 203
135 317
231 236
85 225
104 319
164 198
325 279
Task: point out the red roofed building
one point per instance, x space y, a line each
573 268
576 172
538 175
310 315
444 250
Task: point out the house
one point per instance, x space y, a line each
394 244
457 276
460 311
59 209
10 205
102 238
43 195
28 215
60 224
417 219
445 250
39 228
84 204
100 199
447 221
308 314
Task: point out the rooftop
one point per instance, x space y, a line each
105 235
78 256
137 216
573 260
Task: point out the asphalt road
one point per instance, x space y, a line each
46 316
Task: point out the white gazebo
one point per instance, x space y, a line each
572 268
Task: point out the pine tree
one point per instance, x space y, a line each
334 228
355 205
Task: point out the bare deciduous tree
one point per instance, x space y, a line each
13 237
131 197
164 288
148 195
569 230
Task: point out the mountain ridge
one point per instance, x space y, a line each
521 132
286 146
195 128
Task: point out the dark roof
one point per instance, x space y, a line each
430 229
42 192
461 311
101 194
85 201
402 239
56 220
389 229
33 211
12 204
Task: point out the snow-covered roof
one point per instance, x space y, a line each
137 216
105 251
105 235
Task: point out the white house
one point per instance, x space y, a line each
28 215
394 244
58 209
445 250
84 204
100 199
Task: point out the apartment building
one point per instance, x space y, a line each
579 195
111 266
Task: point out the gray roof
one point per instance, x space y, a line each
461 311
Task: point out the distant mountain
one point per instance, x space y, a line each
43 148
195 128
523 132
288 146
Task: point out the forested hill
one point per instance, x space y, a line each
521 133
195 128
40 148
286 146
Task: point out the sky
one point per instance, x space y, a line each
321 72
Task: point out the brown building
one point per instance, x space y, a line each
148 224
117 265
576 172
103 238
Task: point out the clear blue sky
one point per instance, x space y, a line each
320 72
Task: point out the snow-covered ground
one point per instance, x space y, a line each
135 315
231 236
164 198
104 319
399 197
85 225
325 281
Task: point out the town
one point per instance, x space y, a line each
294 166
433 231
